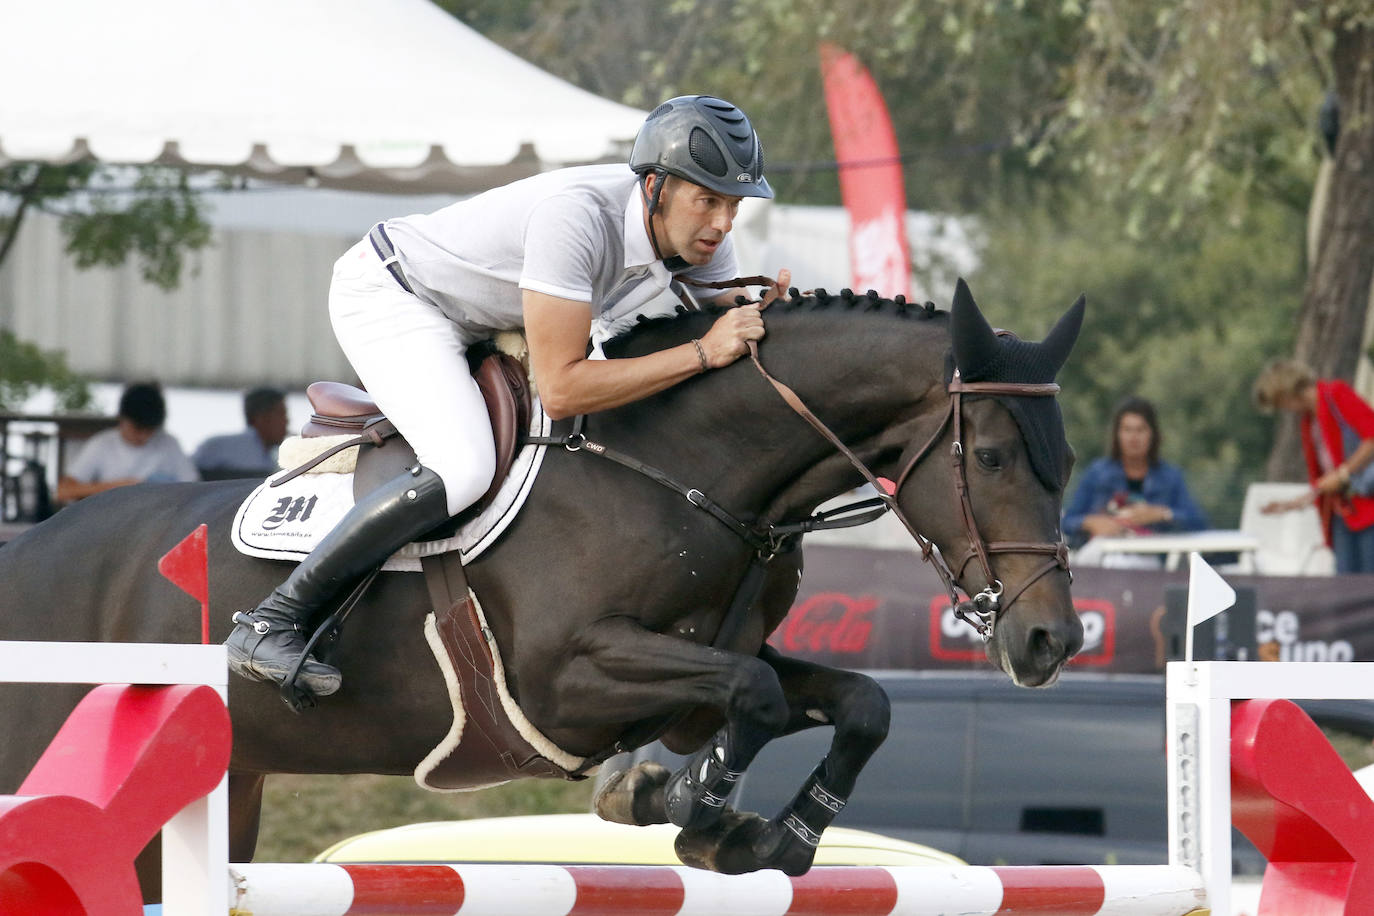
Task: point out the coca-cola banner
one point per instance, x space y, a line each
872 608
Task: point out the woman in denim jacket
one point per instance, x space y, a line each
1131 491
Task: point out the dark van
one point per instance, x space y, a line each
996 774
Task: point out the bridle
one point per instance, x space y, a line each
983 609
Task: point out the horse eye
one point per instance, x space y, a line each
988 458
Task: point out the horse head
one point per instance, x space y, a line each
894 384
1000 537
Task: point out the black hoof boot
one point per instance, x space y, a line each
696 794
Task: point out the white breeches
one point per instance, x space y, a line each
411 359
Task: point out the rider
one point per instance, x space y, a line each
572 256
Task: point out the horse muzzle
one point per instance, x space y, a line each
1033 652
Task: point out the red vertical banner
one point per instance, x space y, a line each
870 174
187 567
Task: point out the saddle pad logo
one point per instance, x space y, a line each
289 510
294 516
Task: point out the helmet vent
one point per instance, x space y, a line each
660 110
705 153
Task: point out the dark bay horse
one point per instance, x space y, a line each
606 593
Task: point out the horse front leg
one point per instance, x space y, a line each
628 673
858 708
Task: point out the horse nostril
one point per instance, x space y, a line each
1053 645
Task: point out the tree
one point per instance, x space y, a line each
108 214
1199 101
964 111
24 369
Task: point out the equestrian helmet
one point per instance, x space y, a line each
706 141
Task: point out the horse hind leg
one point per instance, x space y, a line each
695 796
739 841
634 795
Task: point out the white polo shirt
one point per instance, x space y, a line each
574 233
106 456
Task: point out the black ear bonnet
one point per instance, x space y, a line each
984 355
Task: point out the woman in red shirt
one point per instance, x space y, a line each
1337 428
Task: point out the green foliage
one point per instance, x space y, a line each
157 221
1179 106
1186 321
24 369
966 84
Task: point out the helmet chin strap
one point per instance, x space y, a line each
676 262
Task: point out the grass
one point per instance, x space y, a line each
303 815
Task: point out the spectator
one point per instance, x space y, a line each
136 450
253 451
1337 429
1131 491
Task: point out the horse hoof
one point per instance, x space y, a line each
634 796
727 846
780 848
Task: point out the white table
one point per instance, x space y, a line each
1173 547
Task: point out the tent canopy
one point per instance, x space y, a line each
350 93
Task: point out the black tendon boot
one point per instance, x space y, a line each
269 639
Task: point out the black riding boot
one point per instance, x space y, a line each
268 640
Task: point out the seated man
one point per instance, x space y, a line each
138 449
253 451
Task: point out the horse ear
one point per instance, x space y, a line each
1060 340
975 343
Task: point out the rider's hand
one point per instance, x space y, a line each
778 290
729 337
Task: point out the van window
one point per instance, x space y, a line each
917 779
1088 769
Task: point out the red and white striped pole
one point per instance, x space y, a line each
627 890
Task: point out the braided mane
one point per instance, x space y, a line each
815 301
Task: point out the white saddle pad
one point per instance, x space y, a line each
288 521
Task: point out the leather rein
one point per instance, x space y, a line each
982 610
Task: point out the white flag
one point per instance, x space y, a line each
1208 596
1208 593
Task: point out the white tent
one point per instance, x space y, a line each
365 94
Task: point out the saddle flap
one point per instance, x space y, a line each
506 390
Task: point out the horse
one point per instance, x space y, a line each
617 604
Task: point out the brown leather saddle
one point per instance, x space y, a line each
383 453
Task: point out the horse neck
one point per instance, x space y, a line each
731 434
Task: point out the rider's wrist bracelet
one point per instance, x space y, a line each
701 354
